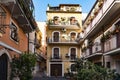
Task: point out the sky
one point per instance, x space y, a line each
41 6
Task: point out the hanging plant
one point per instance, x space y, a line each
84 49
108 35
90 43
102 39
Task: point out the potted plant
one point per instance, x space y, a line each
23 66
102 39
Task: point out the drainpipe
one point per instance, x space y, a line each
28 43
103 58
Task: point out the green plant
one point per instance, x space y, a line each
106 36
89 71
50 22
90 44
23 66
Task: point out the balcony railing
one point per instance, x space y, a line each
56 58
23 12
110 44
96 48
61 40
106 8
92 50
66 23
28 8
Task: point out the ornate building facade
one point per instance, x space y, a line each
64 23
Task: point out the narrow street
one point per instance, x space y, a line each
42 76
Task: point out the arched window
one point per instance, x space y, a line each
73 53
56 37
56 53
72 21
56 20
72 68
73 36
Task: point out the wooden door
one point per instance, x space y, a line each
56 70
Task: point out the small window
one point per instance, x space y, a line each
73 69
14 33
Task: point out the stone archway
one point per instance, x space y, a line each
4 64
3 67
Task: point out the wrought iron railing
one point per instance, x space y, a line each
2 20
28 8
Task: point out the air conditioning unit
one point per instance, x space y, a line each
63 30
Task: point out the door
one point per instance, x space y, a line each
56 37
3 67
118 40
118 67
56 70
73 36
56 53
73 53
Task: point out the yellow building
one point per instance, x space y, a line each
64 24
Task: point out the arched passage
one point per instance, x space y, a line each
5 60
3 67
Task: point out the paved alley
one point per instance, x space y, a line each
42 76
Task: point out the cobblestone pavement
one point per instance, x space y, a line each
42 76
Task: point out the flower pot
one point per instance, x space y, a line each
16 78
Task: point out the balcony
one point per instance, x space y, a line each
55 59
71 57
69 41
22 12
111 46
92 51
108 9
63 23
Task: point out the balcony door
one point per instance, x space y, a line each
56 53
118 39
73 53
56 37
73 36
